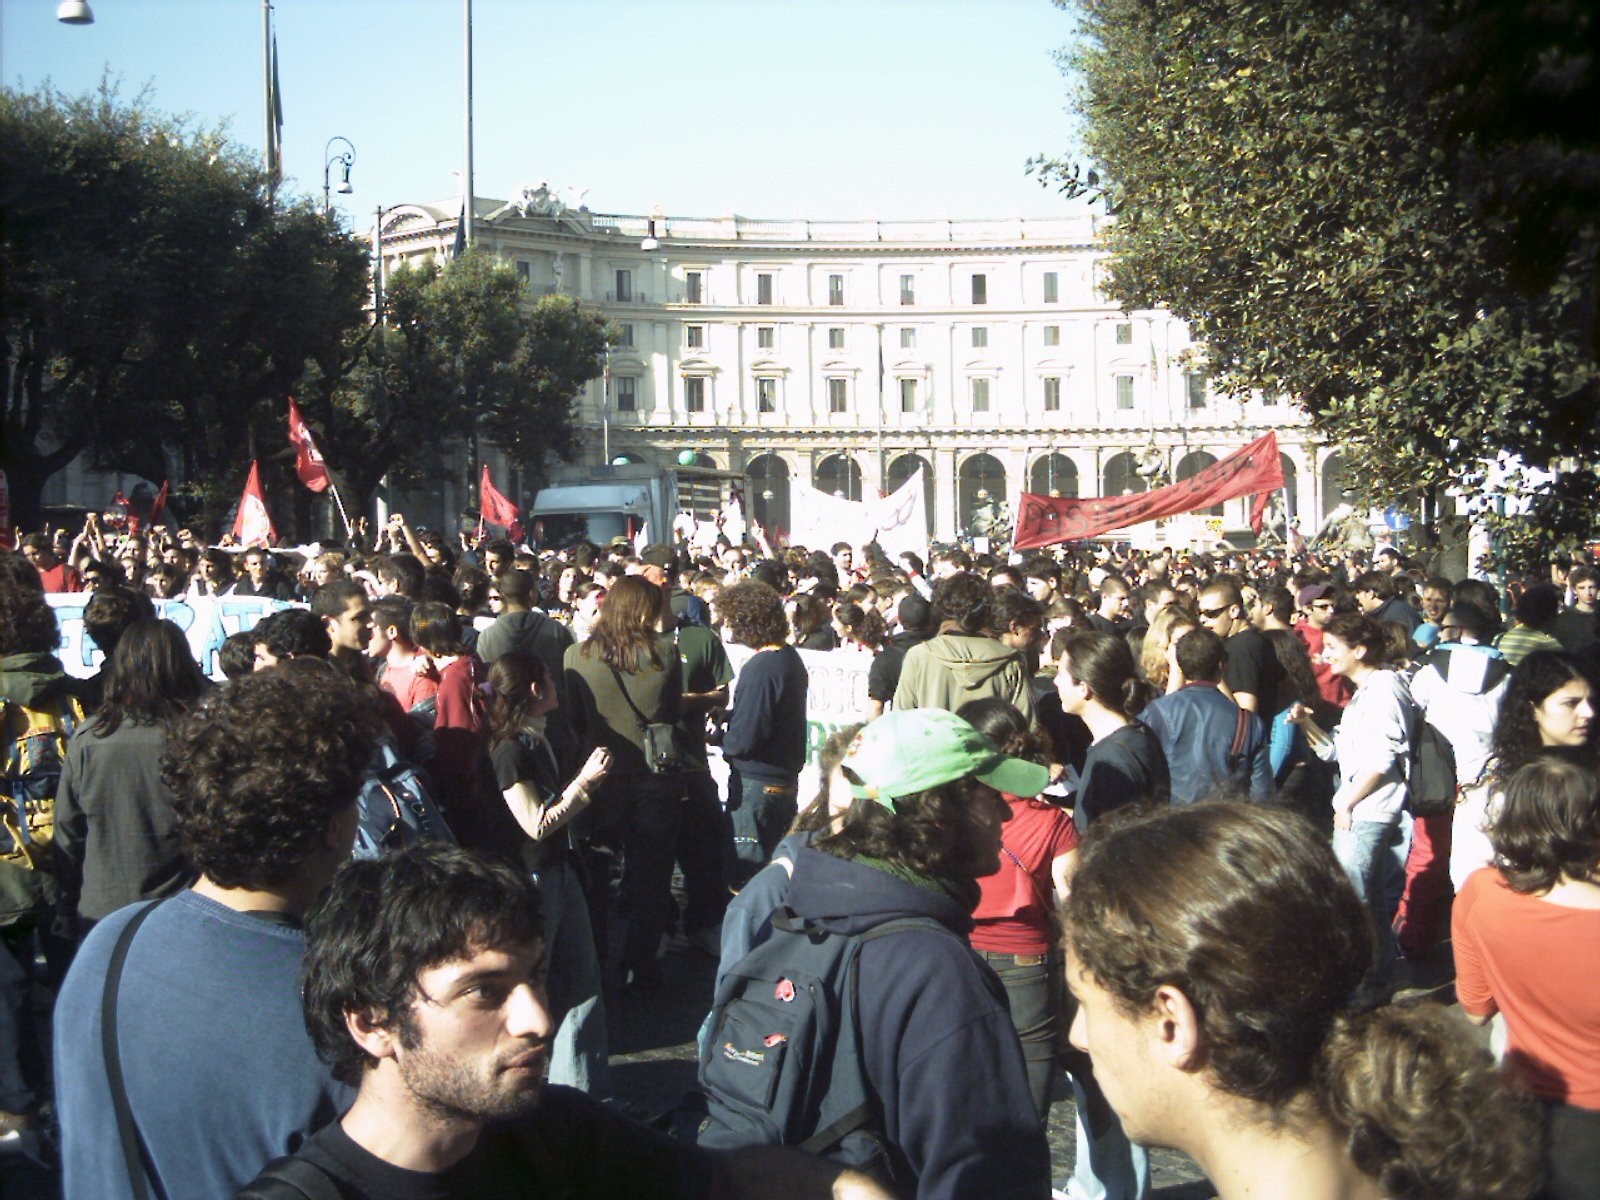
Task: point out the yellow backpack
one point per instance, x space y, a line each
35 741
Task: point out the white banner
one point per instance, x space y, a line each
901 518
205 620
898 522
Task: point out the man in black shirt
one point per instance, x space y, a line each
423 986
1253 675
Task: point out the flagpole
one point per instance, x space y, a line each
266 85
338 500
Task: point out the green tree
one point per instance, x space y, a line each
1386 210
158 303
458 356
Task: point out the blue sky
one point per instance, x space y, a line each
821 108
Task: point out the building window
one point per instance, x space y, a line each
766 394
980 395
524 273
624 287
908 395
836 338
694 337
980 289
763 289
838 395
980 336
908 289
908 337
1197 389
1052 394
1052 335
1124 391
1270 396
694 287
1052 287
836 290
625 333
1124 333
766 337
694 394
627 390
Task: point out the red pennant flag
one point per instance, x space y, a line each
497 509
158 509
252 526
308 462
1258 511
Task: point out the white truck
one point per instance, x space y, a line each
617 501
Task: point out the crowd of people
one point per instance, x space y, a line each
1208 812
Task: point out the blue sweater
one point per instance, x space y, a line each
219 1069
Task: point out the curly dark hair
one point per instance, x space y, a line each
816 816
293 633
111 610
1361 632
1516 736
1242 908
27 622
1549 823
934 832
864 623
964 599
752 613
387 920
261 768
1424 1109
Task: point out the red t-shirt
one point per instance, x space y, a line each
1335 689
60 578
1013 916
1539 964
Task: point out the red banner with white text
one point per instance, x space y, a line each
1046 520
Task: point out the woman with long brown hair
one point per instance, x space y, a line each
626 691
543 805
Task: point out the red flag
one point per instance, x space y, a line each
308 462
1258 511
497 509
158 509
252 526
1046 520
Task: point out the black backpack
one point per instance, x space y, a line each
1431 785
783 1063
395 807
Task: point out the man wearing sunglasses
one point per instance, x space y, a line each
1253 675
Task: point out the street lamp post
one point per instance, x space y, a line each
346 159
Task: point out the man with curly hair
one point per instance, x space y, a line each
217 1075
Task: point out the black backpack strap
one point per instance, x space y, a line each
623 688
1241 736
141 1170
291 1178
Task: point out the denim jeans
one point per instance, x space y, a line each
764 814
1106 1166
1373 855
572 975
1034 994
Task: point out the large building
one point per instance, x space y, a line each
848 354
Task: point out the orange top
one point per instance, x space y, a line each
1539 964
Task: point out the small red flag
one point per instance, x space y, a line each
497 509
1258 511
308 462
252 526
158 509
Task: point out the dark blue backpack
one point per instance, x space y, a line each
783 1063
395 807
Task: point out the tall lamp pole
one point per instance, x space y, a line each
346 159
466 62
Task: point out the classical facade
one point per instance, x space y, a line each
848 354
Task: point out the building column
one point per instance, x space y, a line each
944 493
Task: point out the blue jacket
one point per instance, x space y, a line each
1197 726
938 1044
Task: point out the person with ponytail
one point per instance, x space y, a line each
541 806
1098 683
1214 951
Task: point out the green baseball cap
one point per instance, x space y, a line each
911 750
